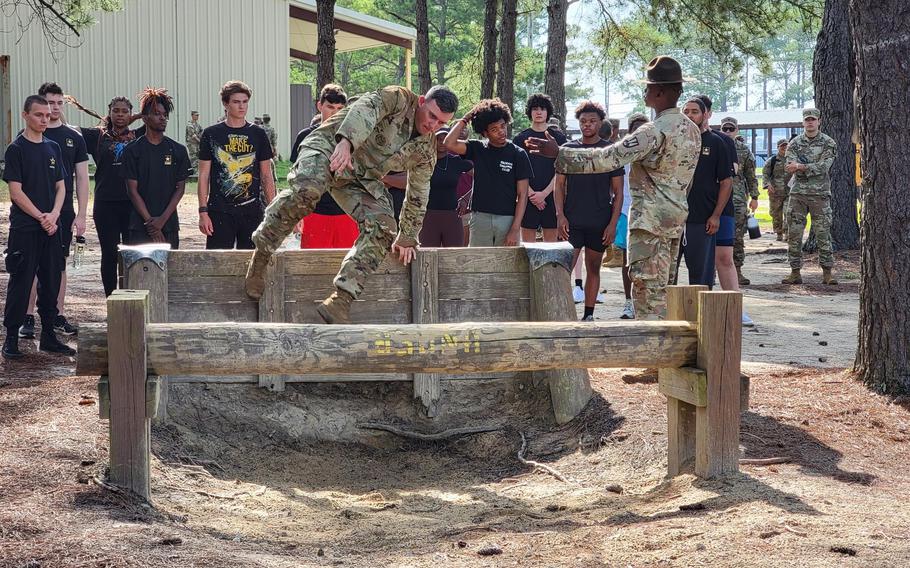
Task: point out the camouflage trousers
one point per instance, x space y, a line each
778 205
741 217
309 179
650 258
799 207
193 151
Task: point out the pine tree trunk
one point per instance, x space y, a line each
490 33
555 72
423 46
443 28
505 80
880 29
325 43
832 73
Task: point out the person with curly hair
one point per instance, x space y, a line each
541 211
502 171
156 169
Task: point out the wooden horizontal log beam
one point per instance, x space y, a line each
275 348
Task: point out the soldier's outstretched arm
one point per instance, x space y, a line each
633 147
415 203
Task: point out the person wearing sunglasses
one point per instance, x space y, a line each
745 186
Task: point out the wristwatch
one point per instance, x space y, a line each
203 209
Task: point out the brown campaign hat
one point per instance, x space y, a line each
663 70
729 120
811 112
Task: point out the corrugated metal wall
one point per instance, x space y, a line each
191 47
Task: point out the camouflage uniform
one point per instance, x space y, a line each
663 154
380 127
193 136
777 177
745 185
273 140
811 195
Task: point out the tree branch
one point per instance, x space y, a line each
59 16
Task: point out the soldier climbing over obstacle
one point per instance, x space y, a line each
391 129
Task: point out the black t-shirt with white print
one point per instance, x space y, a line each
496 174
235 154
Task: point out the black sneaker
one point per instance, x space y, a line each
11 347
27 329
64 327
50 344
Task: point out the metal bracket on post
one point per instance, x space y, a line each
541 254
156 252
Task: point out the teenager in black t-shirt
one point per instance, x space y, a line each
708 196
235 170
442 226
156 168
540 212
501 174
588 206
112 207
75 165
34 173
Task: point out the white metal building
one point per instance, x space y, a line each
190 47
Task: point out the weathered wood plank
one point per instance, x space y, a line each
499 309
719 351
362 312
187 289
202 263
377 287
687 384
484 260
127 314
245 311
234 348
510 285
425 309
271 309
681 439
328 261
682 302
349 378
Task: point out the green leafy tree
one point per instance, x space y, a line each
61 21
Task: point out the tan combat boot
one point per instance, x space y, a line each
255 274
743 281
336 308
827 277
794 278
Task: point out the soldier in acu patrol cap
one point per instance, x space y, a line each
809 157
777 182
193 136
391 129
745 186
663 154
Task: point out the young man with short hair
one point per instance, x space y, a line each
35 175
75 164
708 197
235 174
328 226
588 206
501 174
156 169
392 128
540 213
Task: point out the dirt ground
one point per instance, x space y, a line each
246 496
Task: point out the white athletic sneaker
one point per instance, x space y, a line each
588 318
747 321
628 311
600 298
578 294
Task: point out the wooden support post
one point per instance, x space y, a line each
144 267
682 304
127 314
271 309
551 300
719 352
425 309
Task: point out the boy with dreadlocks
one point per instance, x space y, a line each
155 168
501 174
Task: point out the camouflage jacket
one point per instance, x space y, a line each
663 154
818 154
775 175
381 128
745 184
193 133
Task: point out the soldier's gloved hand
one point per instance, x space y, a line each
341 157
